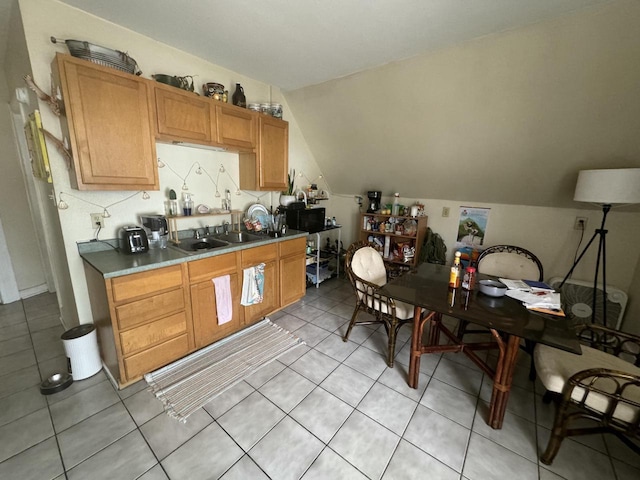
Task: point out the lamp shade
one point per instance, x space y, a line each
608 186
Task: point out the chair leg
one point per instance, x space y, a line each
552 448
391 348
462 327
558 432
351 323
529 345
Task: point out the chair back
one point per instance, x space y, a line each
508 261
365 262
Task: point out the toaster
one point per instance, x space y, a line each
133 239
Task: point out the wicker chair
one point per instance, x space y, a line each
367 273
601 385
508 261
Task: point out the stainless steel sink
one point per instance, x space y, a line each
238 237
199 245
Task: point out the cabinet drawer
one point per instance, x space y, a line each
134 313
156 357
254 256
291 247
208 268
145 283
152 333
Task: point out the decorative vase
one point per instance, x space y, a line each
238 97
286 199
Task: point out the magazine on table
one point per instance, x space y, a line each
527 285
547 302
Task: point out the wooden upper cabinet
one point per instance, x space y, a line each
267 167
236 126
184 116
109 126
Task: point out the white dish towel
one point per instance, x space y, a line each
224 306
252 285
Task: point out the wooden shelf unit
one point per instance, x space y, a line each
415 241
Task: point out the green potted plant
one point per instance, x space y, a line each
287 196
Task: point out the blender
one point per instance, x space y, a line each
157 230
374 201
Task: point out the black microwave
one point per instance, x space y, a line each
306 219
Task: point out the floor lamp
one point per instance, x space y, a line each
604 187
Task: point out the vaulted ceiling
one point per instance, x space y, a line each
293 44
499 101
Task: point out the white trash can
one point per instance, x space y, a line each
81 348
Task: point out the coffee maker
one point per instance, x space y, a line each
157 230
374 201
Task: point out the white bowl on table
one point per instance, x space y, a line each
493 288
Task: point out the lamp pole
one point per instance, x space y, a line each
602 253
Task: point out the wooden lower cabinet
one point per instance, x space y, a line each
149 319
143 320
203 297
253 313
267 254
292 260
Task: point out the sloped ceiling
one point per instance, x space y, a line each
293 44
500 101
509 118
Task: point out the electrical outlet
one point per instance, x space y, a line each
445 211
97 220
581 223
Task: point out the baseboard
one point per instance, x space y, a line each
33 291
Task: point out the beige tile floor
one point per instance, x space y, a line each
327 410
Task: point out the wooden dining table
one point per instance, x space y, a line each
507 320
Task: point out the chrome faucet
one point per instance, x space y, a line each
225 226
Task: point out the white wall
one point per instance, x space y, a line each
547 232
43 18
632 315
19 229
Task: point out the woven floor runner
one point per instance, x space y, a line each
186 385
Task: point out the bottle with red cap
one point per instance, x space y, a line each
469 278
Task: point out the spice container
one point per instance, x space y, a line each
276 110
456 270
469 279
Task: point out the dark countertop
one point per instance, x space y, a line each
111 263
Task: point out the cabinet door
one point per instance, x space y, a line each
273 156
267 168
293 278
236 126
183 116
269 303
204 312
109 124
292 264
